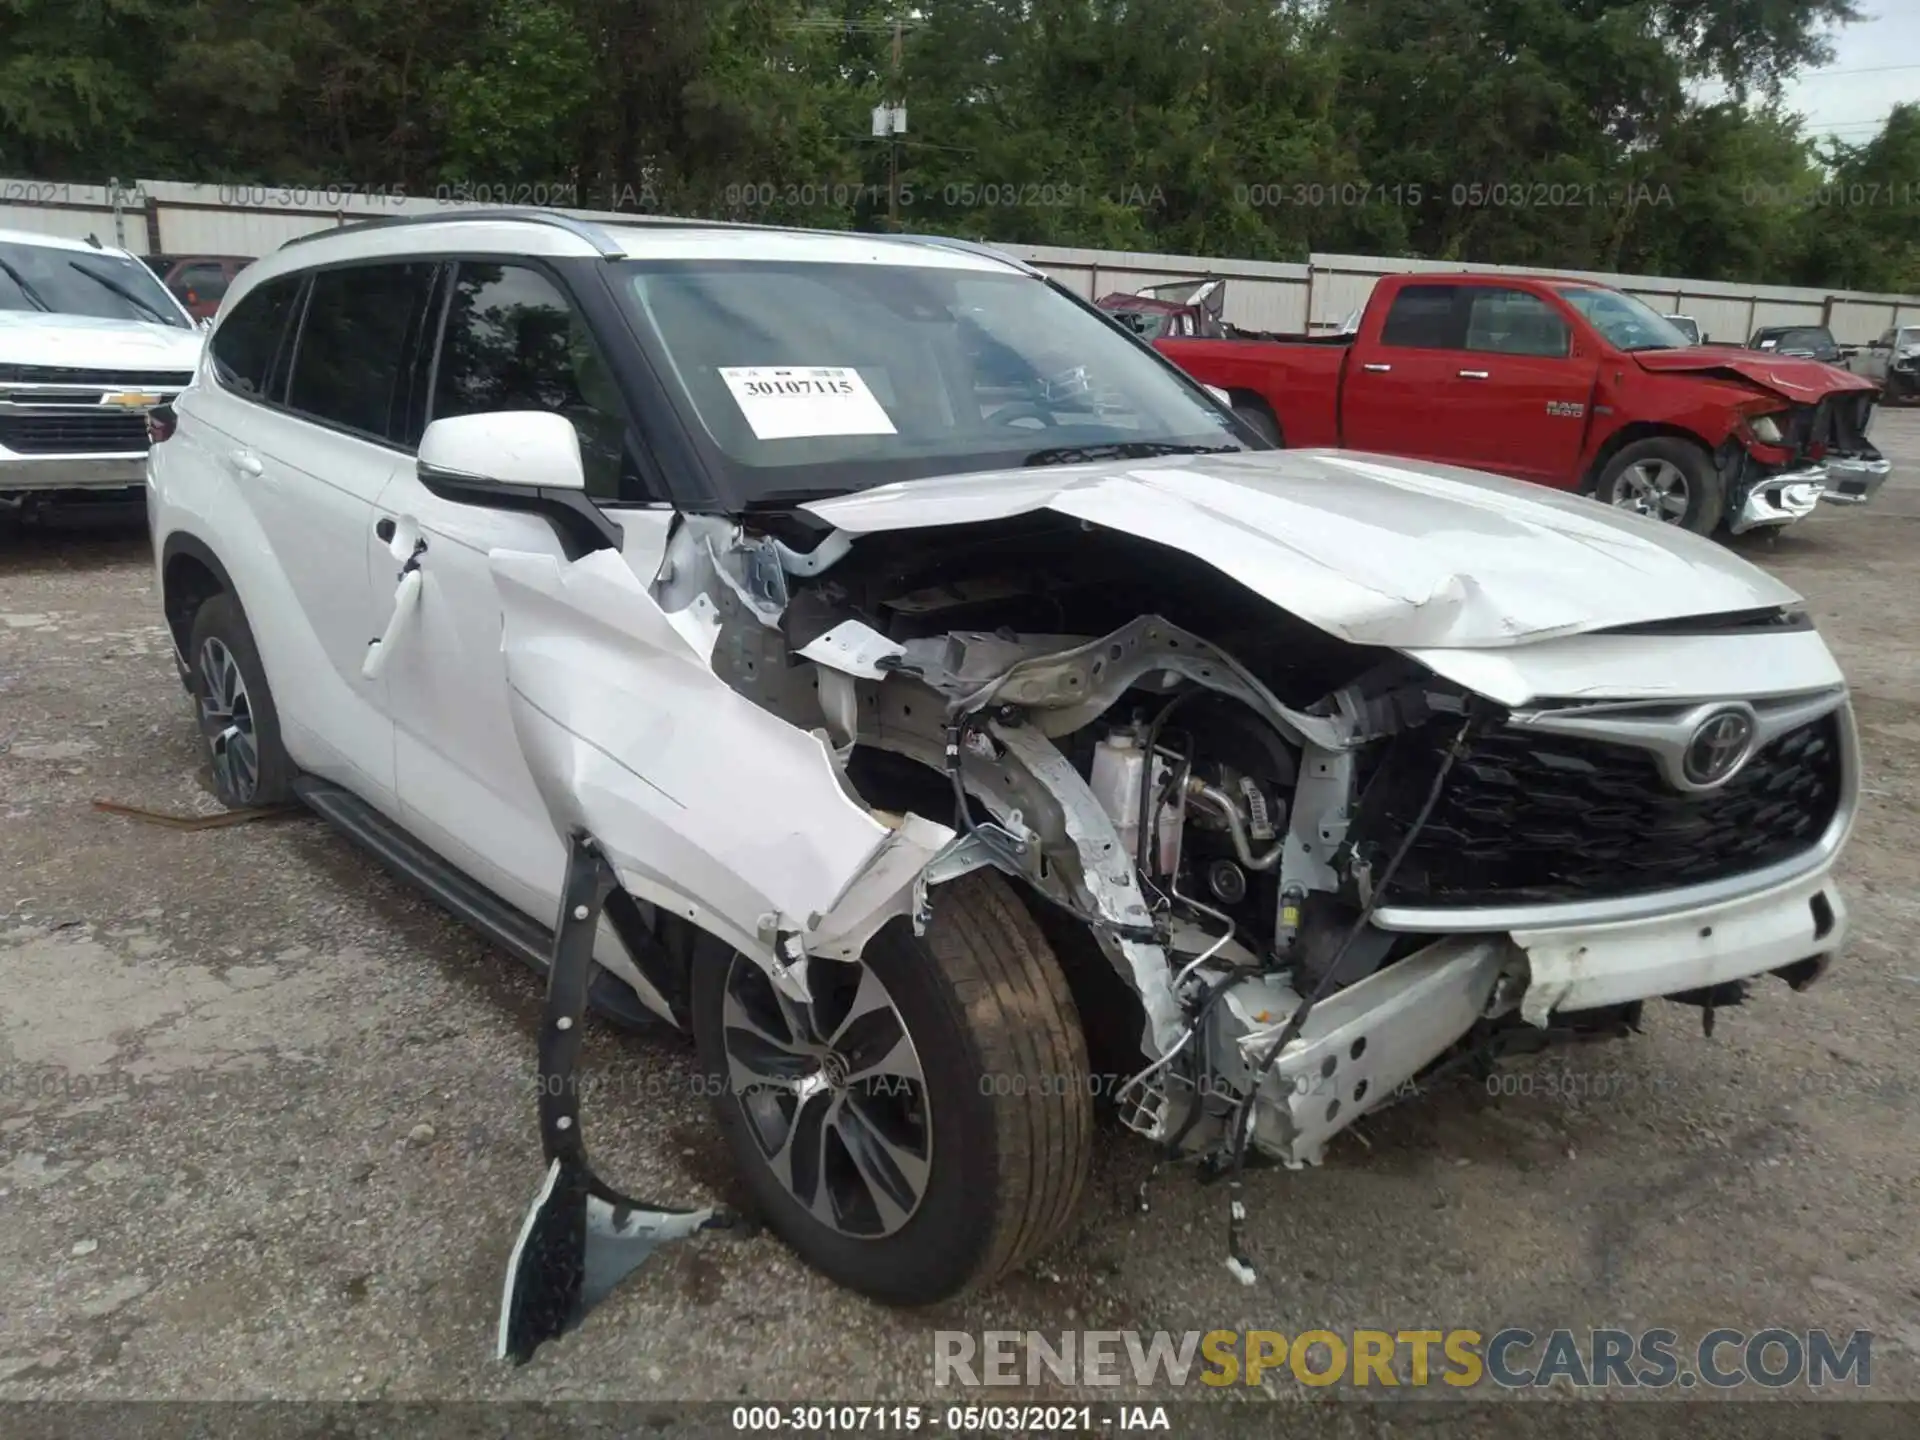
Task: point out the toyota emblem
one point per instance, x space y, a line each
1718 747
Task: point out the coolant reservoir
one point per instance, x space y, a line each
1119 772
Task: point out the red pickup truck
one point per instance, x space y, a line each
1559 381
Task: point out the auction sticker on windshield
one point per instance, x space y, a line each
791 402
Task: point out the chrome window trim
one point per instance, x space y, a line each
1556 914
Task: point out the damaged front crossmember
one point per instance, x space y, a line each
582 1237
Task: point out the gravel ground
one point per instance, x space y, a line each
266 1125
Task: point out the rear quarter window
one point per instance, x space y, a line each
248 341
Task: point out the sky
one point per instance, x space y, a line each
1851 97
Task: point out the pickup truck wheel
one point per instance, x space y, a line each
1257 417
1665 479
925 1125
235 708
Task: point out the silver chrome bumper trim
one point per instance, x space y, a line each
1855 482
109 471
1474 919
1780 499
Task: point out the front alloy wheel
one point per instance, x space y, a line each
832 1093
924 1125
1655 488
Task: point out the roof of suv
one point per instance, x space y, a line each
551 234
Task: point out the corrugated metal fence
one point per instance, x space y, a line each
161 216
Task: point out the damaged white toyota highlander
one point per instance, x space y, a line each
862 655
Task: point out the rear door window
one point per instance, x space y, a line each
359 363
1425 317
245 347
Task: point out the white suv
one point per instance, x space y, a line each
898 676
90 344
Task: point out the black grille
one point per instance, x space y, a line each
72 434
1530 818
105 379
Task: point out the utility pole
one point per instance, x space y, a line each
893 136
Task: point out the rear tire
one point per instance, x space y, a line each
1666 479
238 721
1252 412
983 1108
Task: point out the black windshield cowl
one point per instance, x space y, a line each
1123 450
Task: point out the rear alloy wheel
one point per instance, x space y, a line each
924 1124
1667 480
235 709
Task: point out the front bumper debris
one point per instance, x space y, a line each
1781 499
1854 480
582 1237
1587 967
1362 1044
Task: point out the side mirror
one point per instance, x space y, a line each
526 460
1222 396
531 449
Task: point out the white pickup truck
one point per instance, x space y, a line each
90 344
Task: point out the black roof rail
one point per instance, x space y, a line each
586 230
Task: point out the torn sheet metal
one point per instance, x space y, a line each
703 801
855 648
1374 550
1107 877
1069 688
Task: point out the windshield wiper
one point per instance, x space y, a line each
1123 450
32 295
122 291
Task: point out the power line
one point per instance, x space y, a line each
1858 70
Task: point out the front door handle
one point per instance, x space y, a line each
1473 374
1376 368
246 462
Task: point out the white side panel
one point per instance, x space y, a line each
702 800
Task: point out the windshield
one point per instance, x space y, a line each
1625 322
83 282
816 379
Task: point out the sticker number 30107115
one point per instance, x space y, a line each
792 402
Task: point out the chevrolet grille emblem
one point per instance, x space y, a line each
131 400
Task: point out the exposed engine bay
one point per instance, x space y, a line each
1171 764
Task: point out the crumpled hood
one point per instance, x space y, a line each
1374 550
92 342
1792 378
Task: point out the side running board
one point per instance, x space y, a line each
518 933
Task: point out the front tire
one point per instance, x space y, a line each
925 1125
1666 479
235 708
